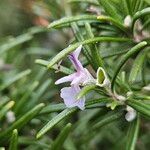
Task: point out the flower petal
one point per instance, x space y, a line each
65 79
69 96
76 53
74 59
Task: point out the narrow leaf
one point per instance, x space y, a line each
137 67
72 47
132 134
61 68
14 42
140 106
22 121
22 101
85 90
14 140
52 108
109 9
16 78
58 143
140 14
113 21
108 118
66 20
133 50
5 109
64 114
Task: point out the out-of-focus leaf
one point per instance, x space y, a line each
132 134
3 102
5 108
58 143
21 121
21 102
93 2
15 78
14 140
14 42
39 92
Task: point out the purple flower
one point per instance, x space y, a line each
69 95
81 76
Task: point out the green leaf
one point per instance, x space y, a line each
132 134
61 68
24 98
72 47
21 121
38 93
140 106
85 90
14 42
80 37
14 140
3 102
106 119
67 112
96 57
137 66
5 108
138 5
64 114
52 108
16 78
113 21
133 50
126 6
140 14
147 1
110 9
58 143
65 20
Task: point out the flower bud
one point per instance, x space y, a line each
131 114
102 79
127 21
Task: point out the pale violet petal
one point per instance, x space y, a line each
74 59
69 96
77 80
76 53
68 78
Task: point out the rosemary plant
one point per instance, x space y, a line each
80 80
